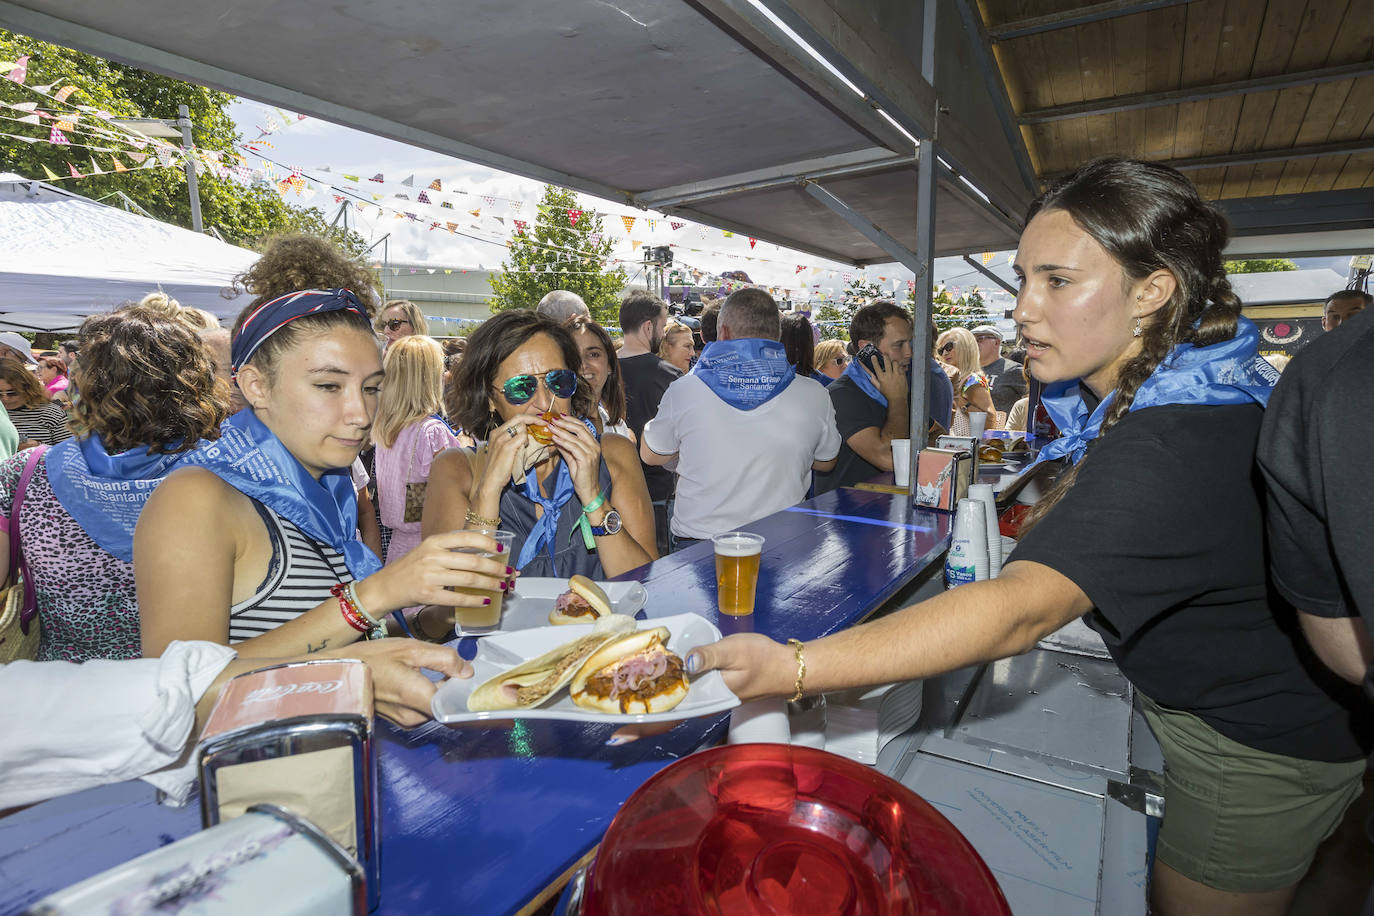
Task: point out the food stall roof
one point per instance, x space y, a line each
683 107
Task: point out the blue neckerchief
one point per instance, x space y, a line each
252 460
545 528
855 373
105 493
1230 372
745 373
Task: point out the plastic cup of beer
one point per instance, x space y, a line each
737 571
488 616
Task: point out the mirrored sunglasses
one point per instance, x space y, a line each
395 324
518 389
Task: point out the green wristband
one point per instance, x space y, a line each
595 504
586 526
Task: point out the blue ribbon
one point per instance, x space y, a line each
275 314
545 528
252 460
745 373
105 493
1230 372
856 373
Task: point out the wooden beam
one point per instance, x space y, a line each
1255 157
1066 19
1132 102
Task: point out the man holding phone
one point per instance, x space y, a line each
871 398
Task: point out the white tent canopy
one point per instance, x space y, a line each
63 257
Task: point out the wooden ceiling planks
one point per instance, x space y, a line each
1195 45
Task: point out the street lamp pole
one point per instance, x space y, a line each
192 187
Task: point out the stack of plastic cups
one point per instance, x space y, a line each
983 493
967 560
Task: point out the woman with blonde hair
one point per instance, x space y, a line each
401 318
831 359
959 349
410 431
676 347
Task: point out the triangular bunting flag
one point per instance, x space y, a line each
423 198
477 212
75 173
446 205
409 182
95 168
574 216
435 185
118 166
521 226
800 268
56 136
727 233
353 178
138 157
52 176
595 238
516 205
500 219
450 226
62 94
20 71
65 125
489 200
634 243
377 178
752 241
629 222
675 225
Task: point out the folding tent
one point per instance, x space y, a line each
63 257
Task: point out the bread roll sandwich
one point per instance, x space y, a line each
583 602
631 674
531 683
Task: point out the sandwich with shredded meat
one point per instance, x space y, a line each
531 683
631 674
583 602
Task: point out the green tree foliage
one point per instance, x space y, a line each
243 215
556 254
858 292
1260 266
967 310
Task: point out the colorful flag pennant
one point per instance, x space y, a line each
118 166
52 176
423 198
629 222
62 94
75 173
675 225
435 185
488 200
20 71
56 136
377 178
752 242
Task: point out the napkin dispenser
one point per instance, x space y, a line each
267 861
943 476
300 736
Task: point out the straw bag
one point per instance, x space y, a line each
19 630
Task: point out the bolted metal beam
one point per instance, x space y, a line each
1138 100
1065 19
990 275
865 227
983 59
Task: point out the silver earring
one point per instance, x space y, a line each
1136 332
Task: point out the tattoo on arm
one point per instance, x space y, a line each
311 648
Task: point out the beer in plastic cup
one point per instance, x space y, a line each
468 619
901 462
978 423
737 571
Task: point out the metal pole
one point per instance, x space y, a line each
192 188
925 254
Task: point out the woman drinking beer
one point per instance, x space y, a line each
1155 533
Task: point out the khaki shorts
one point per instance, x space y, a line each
1240 819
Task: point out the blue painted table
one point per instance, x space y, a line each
490 819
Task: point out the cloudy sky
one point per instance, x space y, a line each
315 145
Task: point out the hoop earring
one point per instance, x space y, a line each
1136 331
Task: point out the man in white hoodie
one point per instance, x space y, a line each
745 430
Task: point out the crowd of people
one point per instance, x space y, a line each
189 501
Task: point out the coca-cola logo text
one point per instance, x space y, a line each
276 692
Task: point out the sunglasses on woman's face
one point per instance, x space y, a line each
946 348
841 360
518 389
395 324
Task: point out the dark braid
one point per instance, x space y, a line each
1149 217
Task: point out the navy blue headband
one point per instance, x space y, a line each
275 314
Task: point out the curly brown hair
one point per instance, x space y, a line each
296 262
146 380
488 347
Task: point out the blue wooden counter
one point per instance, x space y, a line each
485 819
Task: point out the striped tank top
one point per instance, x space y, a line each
299 577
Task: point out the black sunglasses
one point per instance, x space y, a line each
518 389
842 360
946 348
395 324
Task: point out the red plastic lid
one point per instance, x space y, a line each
773 829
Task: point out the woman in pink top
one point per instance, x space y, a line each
409 432
52 372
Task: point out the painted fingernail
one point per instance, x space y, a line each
616 740
694 663
486 601
503 586
509 571
501 548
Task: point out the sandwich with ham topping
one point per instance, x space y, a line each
531 683
632 674
583 602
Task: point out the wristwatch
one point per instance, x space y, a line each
609 525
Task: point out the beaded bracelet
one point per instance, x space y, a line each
354 614
801 667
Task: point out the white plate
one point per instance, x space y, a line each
535 596
502 651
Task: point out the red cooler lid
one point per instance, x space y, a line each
773 829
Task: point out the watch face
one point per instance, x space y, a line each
611 522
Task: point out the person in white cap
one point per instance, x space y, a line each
1004 376
13 346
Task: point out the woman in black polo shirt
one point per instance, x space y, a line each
1156 534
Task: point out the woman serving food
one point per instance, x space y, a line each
1155 534
577 504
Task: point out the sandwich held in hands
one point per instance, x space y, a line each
631 674
531 683
537 448
583 602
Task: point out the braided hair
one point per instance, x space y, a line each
1149 217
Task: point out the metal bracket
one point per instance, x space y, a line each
990 275
865 227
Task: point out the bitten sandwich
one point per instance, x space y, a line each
583 602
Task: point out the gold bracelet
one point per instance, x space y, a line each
801 667
472 518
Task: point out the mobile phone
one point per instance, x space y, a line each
870 354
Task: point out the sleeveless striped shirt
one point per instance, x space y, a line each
299 577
